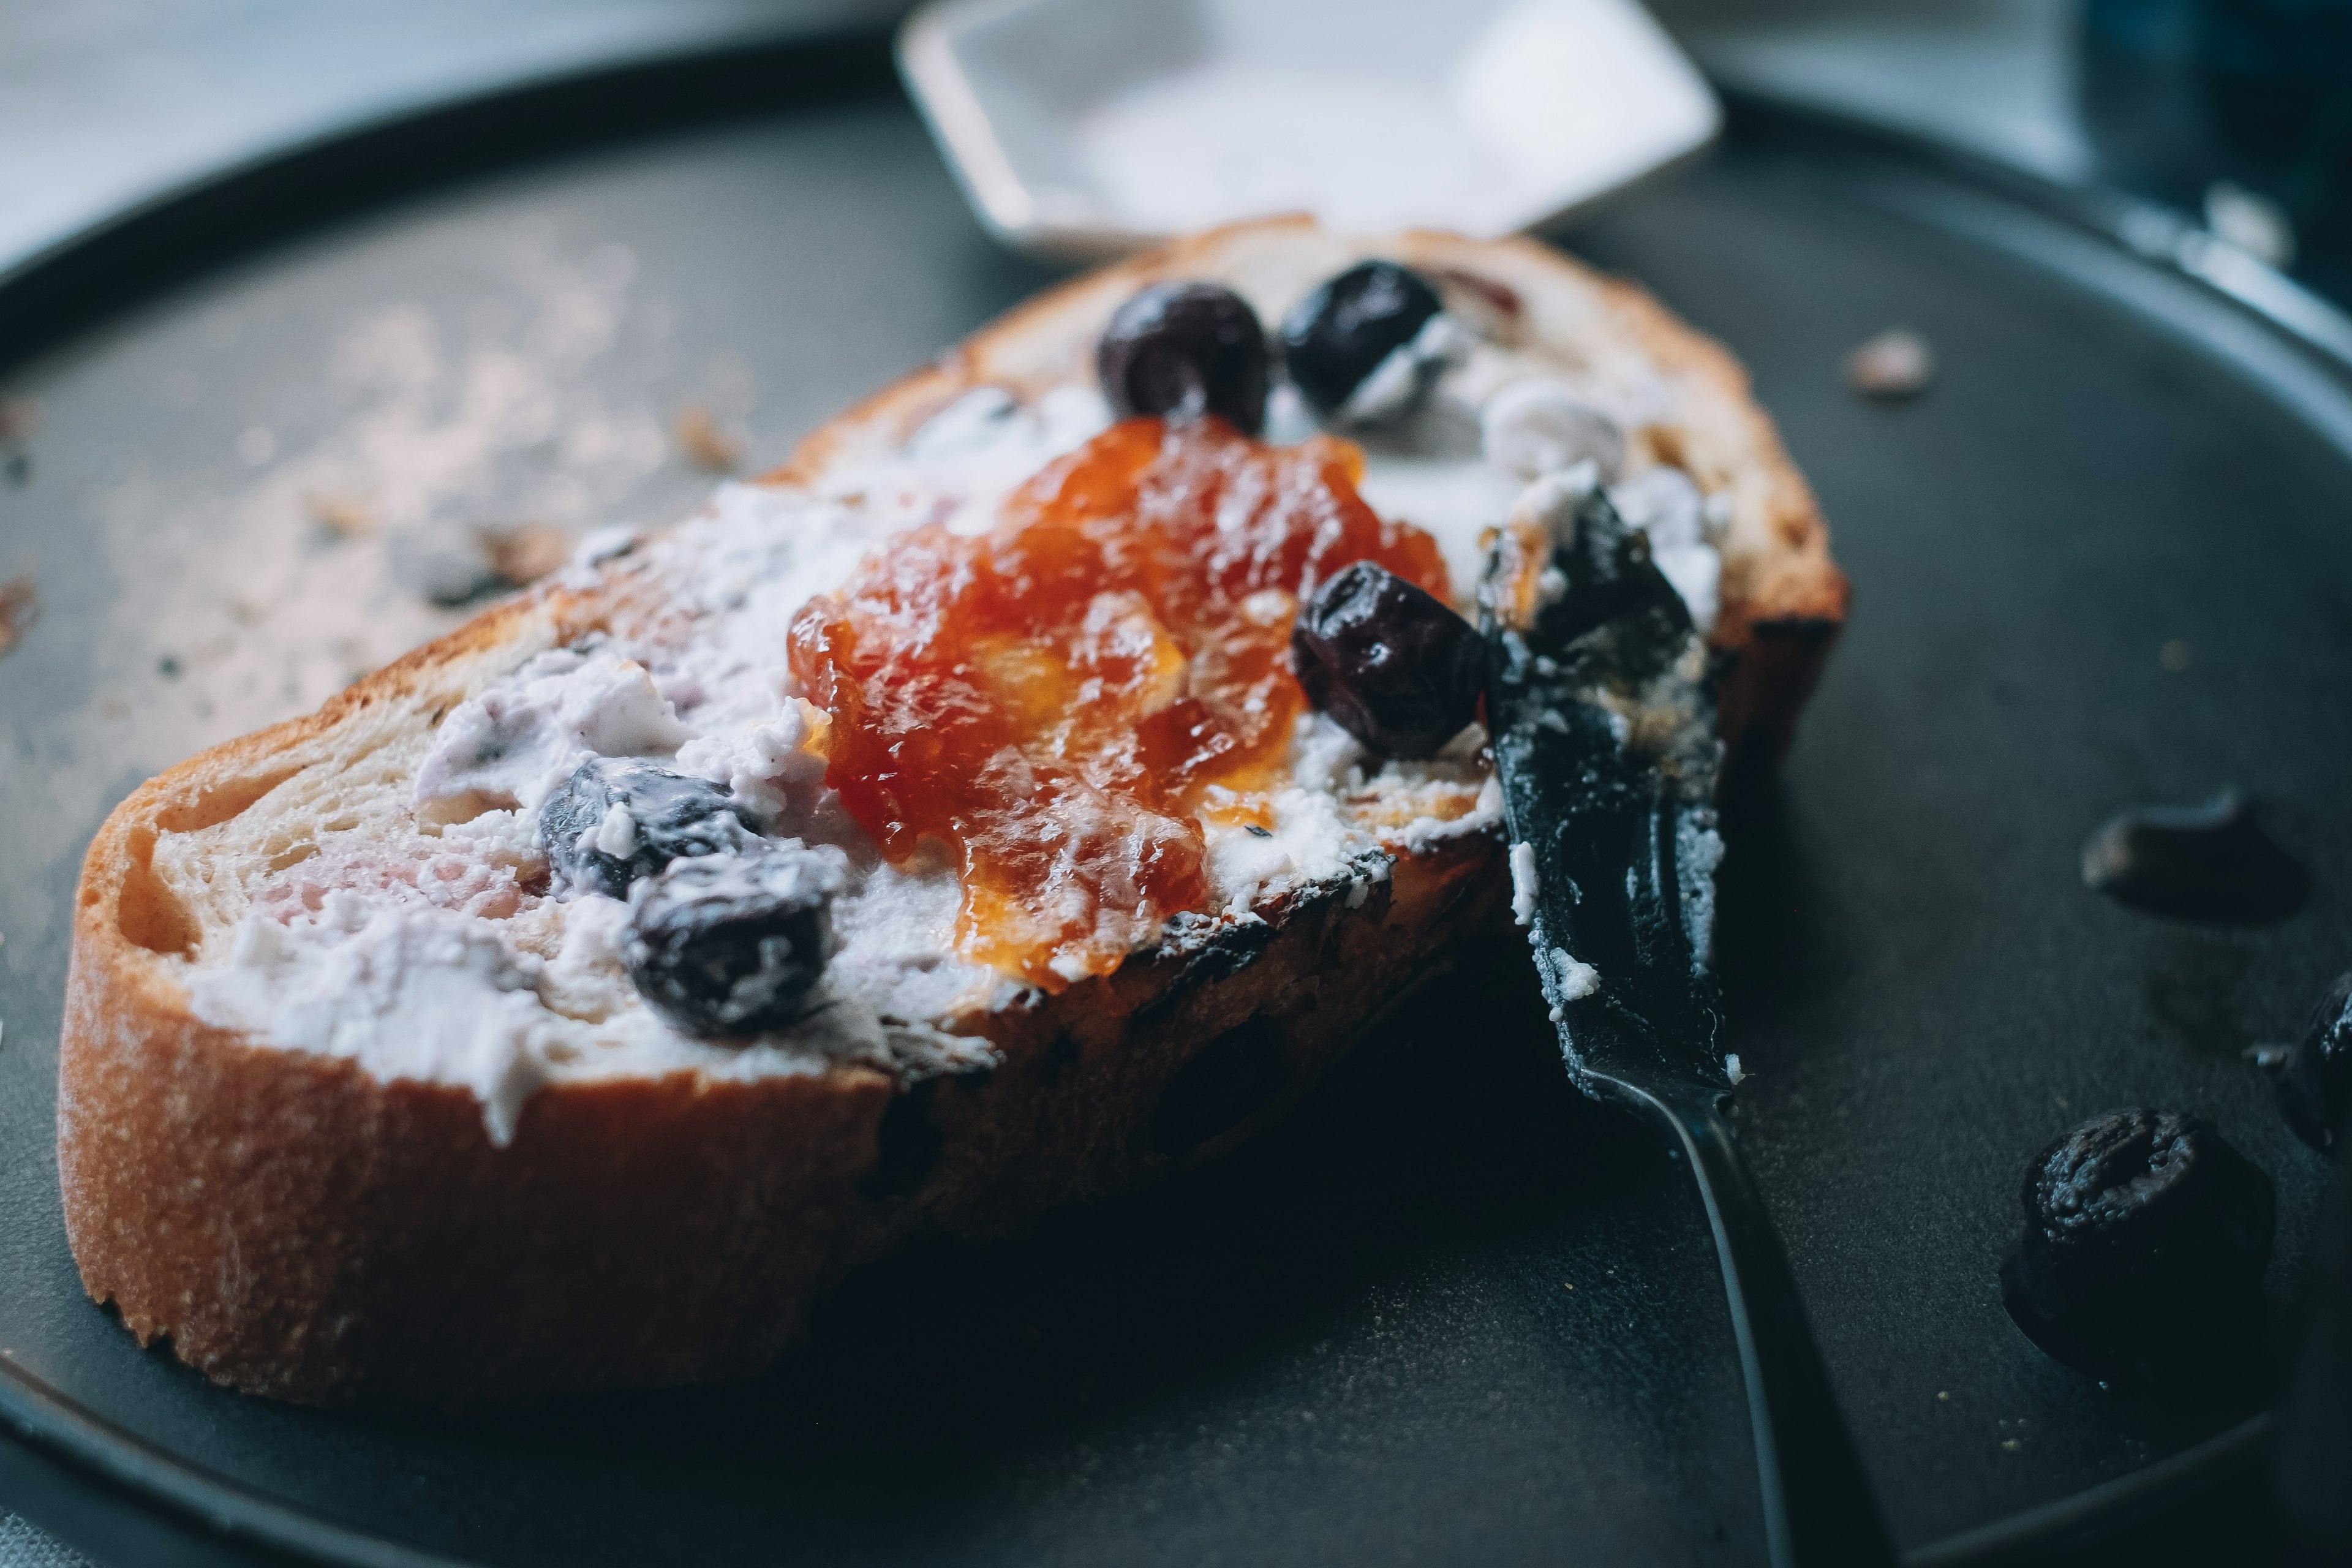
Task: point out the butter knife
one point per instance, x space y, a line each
1604 729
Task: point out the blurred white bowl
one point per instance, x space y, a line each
1085 128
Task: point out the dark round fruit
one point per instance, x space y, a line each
2209 862
1398 669
2144 1240
1182 349
727 945
670 816
2313 1078
1338 336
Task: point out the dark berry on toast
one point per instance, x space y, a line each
1394 666
1334 338
1182 349
617 819
2207 862
2314 1076
2145 1239
727 945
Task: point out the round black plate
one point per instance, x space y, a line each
1451 1313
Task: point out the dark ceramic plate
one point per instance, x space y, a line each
1450 1314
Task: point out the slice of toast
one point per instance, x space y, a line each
374 1191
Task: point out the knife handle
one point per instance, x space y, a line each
1818 1504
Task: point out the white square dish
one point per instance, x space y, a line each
1088 128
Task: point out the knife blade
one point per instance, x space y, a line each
1605 734
1602 724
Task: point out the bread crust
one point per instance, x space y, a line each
298 1229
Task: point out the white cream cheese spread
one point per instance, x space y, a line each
1523 883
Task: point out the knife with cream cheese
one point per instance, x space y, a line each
1605 741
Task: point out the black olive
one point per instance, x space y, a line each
727 945
2209 862
670 815
1182 349
1398 669
1338 336
2313 1077
2145 1237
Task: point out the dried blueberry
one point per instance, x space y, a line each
1398 669
728 945
617 819
2314 1076
2145 1237
2209 862
1337 337
1182 349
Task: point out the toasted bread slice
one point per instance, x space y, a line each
358 1210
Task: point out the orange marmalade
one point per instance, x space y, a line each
1062 699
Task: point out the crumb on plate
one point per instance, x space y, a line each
1896 364
20 606
525 552
341 516
700 440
